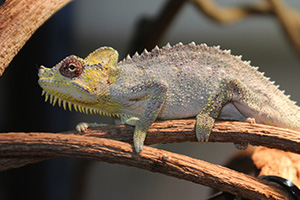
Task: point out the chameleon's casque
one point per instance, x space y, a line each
173 82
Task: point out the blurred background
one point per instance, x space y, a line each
83 26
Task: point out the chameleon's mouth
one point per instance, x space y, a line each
77 107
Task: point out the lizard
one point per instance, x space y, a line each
172 82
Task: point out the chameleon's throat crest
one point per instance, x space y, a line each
89 108
82 99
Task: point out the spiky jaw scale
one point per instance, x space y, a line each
70 96
78 107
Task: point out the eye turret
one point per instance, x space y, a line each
71 67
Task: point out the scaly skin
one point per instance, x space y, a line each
175 82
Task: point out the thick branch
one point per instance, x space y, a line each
19 20
277 163
33 147
26 145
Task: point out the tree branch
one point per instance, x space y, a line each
287 16
230 14
290 22
19 20
33 147
172 131
277 163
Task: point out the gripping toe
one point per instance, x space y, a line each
82 127
138 140
203 126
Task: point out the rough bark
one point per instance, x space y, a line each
19 20
96 145
37 146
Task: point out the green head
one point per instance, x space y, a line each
83 83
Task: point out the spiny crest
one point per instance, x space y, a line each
78 108
156 51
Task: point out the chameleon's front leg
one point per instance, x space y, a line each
229 91
153 107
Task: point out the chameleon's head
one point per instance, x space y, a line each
81 82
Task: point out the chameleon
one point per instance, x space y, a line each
172 82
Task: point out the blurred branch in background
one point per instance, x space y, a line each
231 14
150 31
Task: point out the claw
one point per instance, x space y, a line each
82 127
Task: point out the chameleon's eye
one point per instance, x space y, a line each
71 67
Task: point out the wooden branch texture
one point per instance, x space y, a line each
95 145
277 163
172 131
19 20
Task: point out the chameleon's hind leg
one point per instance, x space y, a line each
229 91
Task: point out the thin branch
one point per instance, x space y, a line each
19 20
290 21
230 14
149 31
287 16
26 145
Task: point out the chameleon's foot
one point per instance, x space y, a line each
241 146
203 126
138 140
83 126
250 120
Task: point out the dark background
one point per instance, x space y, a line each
80 28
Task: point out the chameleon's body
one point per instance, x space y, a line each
175 82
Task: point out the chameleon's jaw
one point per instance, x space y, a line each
68 94
67 104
